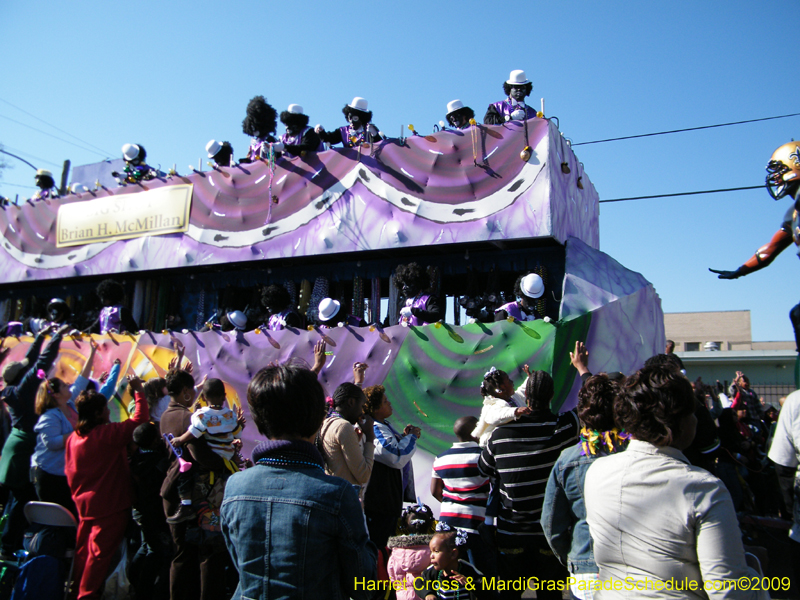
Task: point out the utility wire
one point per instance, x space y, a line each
630 137
29 187
753 187
103 154
54 127
38 159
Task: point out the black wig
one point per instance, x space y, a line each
261 118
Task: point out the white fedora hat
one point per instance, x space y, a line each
130 151
212 148
237 319
43 173
454 105
532 286
295 109
359 103
517 78
328 309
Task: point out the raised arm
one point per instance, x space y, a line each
110 384
763 256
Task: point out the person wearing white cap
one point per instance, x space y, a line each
359 129
299 137
528 288
458 115
513 107
331 314
220 152
46 184
136 169
238 319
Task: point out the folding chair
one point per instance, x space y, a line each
54 515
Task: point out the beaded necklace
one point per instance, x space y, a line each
592 441
458 589
285 462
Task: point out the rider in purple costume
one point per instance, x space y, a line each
277 302
359 129
528 288
420 307
512 108
299 137
114 316
260 124
46 184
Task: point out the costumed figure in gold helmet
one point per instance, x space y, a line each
783 180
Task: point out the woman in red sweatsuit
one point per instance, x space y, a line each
100 482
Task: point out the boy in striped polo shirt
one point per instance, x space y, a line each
463 491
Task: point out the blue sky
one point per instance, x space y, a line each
172 75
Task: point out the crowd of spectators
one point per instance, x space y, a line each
642 482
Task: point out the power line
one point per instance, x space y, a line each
630 137
29 155
753 187
54 127
28 187
103 154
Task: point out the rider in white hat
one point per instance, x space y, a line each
458 115
46 184
331 315
528 288
513 107
220 152
359 128
299 137
136 169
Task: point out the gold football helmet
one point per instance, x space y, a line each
783 170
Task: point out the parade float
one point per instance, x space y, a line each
464 202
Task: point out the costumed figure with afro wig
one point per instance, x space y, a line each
421 306
513 107
359 129
46 184
459 116
783 181
136 169
529 305
260 124
299 137
278 303
113 316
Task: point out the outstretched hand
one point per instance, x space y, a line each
727 274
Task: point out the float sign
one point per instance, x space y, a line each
125 216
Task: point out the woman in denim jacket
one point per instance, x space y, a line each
291 530
564 512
